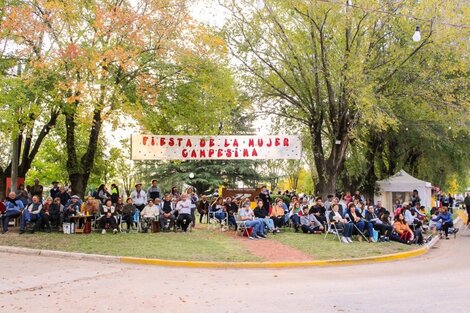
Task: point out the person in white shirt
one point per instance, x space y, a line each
139 197
149 215
183 207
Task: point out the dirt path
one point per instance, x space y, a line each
273 251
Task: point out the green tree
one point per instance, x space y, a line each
329 66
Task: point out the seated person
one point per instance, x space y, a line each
444 221
183 207
71 208
319 210
231 208
218 209
44 222
167 217
294 215
90 206
203 208
403 229
31 213
341 223
108 212
248 218
56 212
351 215
414 223
309 223
384 229
149 214
127 212
277 215
261 214
13 208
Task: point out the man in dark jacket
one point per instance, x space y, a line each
466 201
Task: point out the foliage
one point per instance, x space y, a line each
347 73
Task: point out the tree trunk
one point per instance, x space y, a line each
79 183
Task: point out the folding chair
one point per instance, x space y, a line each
358 230
242 229
214 223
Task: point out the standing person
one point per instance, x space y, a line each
466 201
415 198
54 192
139 197
174 192
154 191
37 189
114 194
13 209
63 195
265 197
23 195
103 193
203 208
183 207
193 197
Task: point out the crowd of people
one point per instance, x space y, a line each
349 216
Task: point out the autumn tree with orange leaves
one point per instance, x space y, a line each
106 57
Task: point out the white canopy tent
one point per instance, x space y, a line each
400 187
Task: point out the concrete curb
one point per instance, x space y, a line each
226 265
60 254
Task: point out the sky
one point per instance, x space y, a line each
205 11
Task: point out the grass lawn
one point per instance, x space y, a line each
331 248
199 245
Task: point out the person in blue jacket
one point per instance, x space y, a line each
13 209
444 221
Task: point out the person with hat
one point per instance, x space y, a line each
248 218
54 192
139 197
72 208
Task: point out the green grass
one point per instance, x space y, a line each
331 248
199 245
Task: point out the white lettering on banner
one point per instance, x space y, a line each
168 147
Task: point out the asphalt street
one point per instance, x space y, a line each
436 282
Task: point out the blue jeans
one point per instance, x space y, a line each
28 217
347 229
220 216
268 222
6 218
258 226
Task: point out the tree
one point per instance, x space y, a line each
107 55
326 66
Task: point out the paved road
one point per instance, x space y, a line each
436 282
